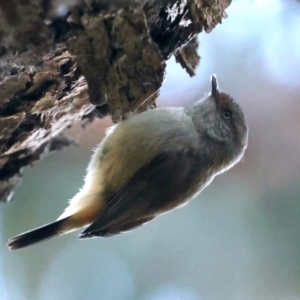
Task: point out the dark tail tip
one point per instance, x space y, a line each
37 235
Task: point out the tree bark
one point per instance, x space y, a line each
66 61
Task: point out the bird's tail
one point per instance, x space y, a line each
40 234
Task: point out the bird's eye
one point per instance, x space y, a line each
227 114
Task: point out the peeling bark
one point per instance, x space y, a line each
65 61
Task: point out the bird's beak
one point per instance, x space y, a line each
214 88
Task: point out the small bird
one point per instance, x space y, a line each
149 164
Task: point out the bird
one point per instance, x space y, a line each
149 164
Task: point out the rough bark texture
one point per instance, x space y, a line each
65 61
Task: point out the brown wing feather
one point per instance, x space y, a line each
166 182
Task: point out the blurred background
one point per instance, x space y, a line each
240 239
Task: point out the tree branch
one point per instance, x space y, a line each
72 60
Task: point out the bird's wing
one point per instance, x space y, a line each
164 183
